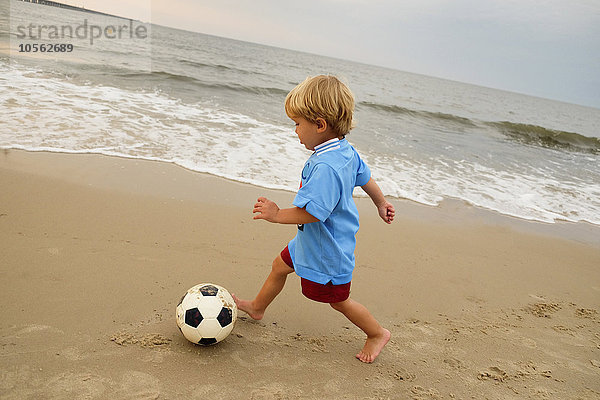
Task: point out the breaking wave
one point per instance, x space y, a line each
540 136
394 109
527 134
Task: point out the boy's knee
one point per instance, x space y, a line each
341 306
279 266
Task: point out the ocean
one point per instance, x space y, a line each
215 105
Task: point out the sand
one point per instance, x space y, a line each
97 251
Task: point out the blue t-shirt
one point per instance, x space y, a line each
323 251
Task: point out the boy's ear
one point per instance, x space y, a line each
321 125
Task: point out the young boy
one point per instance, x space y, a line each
322 253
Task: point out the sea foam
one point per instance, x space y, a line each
205 136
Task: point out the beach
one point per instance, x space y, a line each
97 251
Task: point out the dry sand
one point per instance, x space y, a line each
96 252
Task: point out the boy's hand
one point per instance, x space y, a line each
266 208
384 208
386 212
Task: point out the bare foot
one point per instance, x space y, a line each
247 307
373 346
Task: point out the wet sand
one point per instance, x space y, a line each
97 251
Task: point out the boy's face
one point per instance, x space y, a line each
309 133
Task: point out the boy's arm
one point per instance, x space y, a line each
269 211
386 210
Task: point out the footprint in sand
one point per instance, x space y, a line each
420 393
544 310
73 385
528 342
454 363
401 374
138 385
273 391
493 373
586 313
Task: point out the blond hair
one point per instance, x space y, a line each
322 96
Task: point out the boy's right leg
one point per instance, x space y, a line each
377 336
270 289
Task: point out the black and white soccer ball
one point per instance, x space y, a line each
206 314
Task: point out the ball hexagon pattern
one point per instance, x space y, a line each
206 314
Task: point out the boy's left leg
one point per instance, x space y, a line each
270 289
377 336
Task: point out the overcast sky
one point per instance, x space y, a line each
545 48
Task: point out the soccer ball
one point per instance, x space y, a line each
206 314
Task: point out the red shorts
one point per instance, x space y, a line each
328 293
